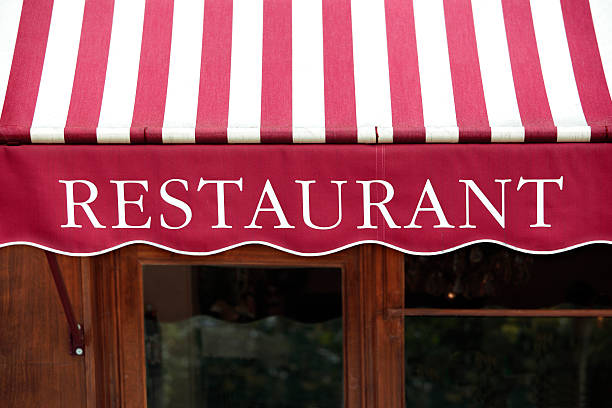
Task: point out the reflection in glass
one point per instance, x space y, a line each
243 337
508 362
461 362
493 276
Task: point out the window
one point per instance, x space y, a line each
487 326
178 317
241 336
479 326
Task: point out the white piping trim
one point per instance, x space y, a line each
307 254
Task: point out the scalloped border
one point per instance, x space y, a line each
306 254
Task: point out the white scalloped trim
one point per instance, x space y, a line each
227 248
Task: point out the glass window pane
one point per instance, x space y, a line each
493 276
454 362
243 336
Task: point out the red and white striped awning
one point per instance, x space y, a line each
303 71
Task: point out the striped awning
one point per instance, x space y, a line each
305 71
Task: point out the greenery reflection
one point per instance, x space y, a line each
273 362
508 362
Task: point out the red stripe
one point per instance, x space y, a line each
528 80
213 102
26 69
276 103
470 106
90 73
588 69
153 72
405 83
339 78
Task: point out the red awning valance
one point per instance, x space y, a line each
293 71
306 199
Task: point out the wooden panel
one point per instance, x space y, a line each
103 338
37 369
383 279
355 381
131 330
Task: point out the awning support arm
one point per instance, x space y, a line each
77 335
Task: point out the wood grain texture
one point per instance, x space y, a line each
103 303
36 367
88 319
383 280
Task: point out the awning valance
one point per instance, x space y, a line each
291 71
309 199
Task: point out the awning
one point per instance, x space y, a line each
297 71
276 72
308 199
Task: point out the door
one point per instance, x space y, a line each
252 326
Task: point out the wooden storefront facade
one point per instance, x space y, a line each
106 293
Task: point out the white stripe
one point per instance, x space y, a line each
113 135
308 90
121 72
366 134
371 67
556 64
573 134
385 134
435 73
496 71
507 134
308 135
10 13
184 72
178 135
442 134
243 135
47 134
601 10
245 76
58 71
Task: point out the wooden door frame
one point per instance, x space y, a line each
372 282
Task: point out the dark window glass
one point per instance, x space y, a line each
508 361
492 276
461 362
243 337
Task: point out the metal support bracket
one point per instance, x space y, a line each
77 335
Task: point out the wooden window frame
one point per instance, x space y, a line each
434 312
373 318
372 283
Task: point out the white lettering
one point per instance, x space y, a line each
122 202
183 206
276 208
220 198
70 203
368 204
500 218
428 189
540 197
306 204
